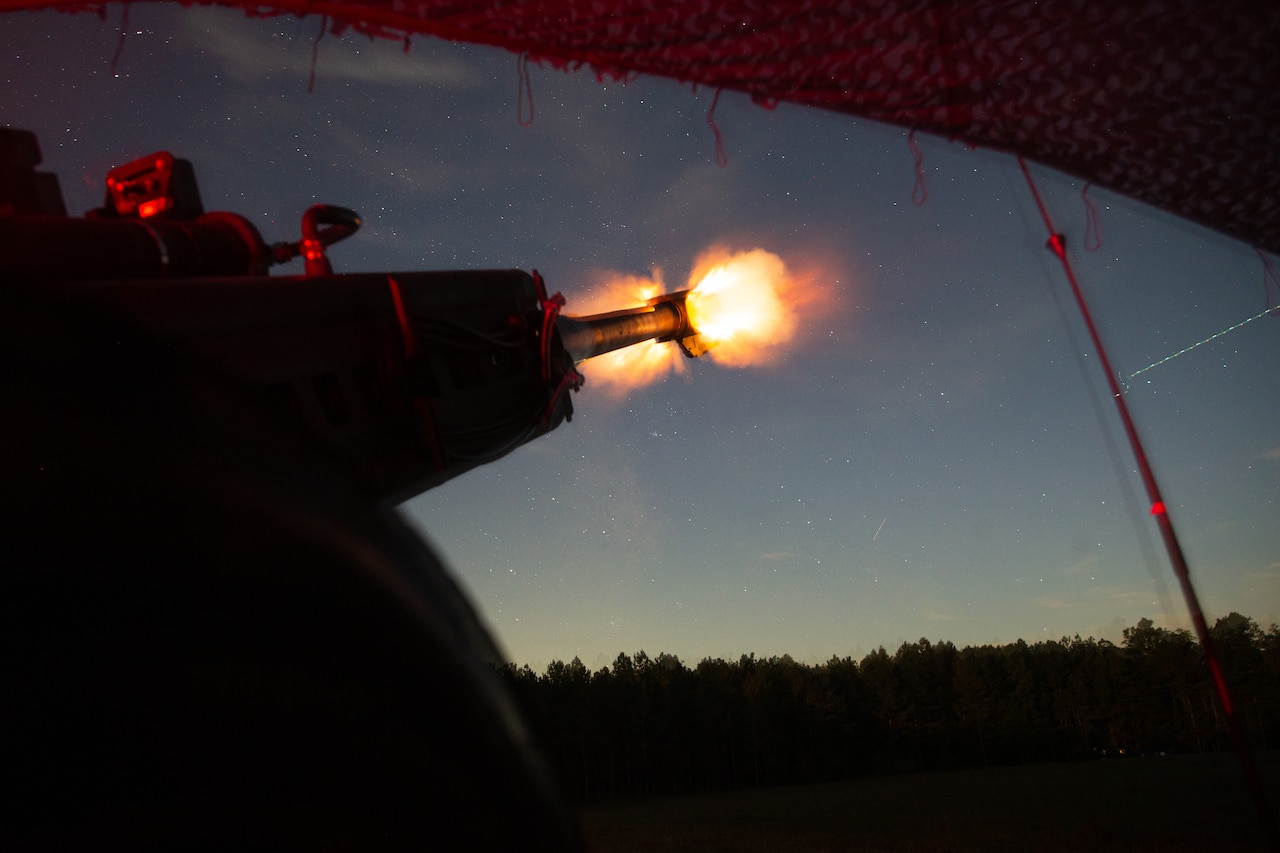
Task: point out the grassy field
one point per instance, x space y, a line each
1178 803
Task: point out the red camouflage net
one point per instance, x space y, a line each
1172 102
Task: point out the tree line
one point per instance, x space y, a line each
647 726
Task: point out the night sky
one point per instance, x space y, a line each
934 454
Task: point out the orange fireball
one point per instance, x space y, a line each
742 305
738 303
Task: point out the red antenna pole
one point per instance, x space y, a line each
1057 244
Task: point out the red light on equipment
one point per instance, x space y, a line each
158 185
154 206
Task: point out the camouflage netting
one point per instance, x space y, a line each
1172 102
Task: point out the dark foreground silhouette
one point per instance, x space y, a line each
1172 803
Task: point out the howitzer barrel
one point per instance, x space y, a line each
663 319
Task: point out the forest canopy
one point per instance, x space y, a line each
653 726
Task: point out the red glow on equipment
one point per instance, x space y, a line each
407 338
1157 508
154 206
156 185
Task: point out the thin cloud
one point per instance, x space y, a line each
265 51
1121 595
1054 602
1270 574
1083 566
949 617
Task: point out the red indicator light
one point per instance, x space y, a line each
1157 508
154 206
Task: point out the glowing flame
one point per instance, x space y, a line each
738 304
742 303
642 364
615 373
